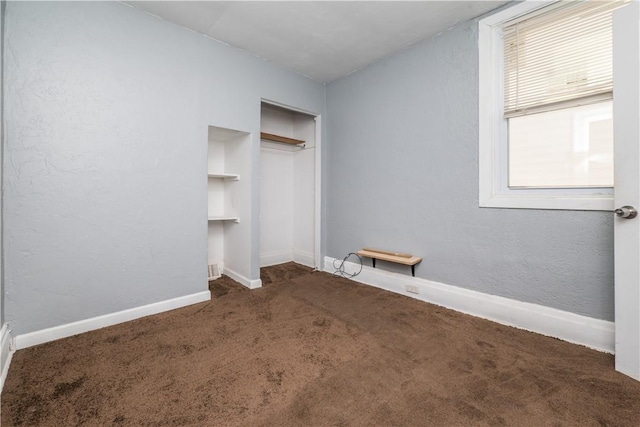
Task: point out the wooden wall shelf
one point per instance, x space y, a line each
400 258
278 138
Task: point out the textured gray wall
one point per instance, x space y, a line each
403 175
107 111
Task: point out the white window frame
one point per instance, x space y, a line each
494 191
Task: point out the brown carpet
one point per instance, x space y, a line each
311 349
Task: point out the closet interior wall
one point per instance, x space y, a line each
287 188
229 192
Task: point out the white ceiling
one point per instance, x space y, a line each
323 40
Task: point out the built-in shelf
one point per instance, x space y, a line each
278 138
224 218
229 176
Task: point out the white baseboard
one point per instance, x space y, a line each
304 258
251 284
575 328
274 258
295 255
6 353
74 328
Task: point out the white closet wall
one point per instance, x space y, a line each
276 206
287 193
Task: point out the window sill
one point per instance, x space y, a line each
570 203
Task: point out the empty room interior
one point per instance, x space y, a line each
320 213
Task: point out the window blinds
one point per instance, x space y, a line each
559 58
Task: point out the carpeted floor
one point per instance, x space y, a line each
311 349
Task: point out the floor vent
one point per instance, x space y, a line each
214 271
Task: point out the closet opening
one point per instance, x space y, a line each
289 186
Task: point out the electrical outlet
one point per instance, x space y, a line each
413 289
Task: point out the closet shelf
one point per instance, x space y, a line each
224 218
278 138
229 176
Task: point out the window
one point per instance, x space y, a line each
546 128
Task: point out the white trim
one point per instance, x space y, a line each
318 197
584 203
251 284
515 11
62 331
493 192
304 258
274 258
571 327
6 353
